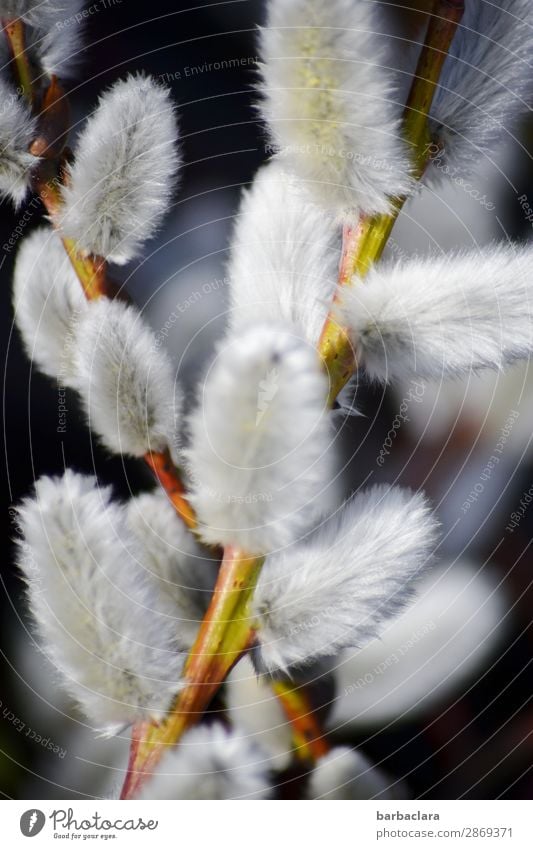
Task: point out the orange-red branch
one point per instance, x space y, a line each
309 739
168 476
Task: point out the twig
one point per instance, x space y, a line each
226 634
364 246
15 33
309 739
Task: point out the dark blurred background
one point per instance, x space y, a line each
473 737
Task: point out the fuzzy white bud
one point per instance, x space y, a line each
329 104
284 256
347 774
30 11
210 763
184 570
485 87
260 440
120 184
355 572
17 130
442 316
443 641
52 32
58 37
126 382
48 302
98 613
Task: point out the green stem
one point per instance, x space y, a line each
373 232
14 30
226 634
309 741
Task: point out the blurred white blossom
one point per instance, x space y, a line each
211 763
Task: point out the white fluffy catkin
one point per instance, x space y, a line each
211 763
336 589
260 438
443 316
284 256
17 131
48 302
57 36
485 87
347 774
126 382
98 613
184 571
329 104
121 181
53 31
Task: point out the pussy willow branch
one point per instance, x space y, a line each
96 282
364 244
310 743
226 633
204 663
90 270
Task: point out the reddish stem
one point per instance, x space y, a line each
166 473
310 741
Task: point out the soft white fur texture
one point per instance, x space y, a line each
284 256
210 763
98 613
53 34
260 437
355 572
185 571
126 382
485 87
442 316
347 774
31 11
17 130
436 648
58 37
121 181
48 301
329 103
